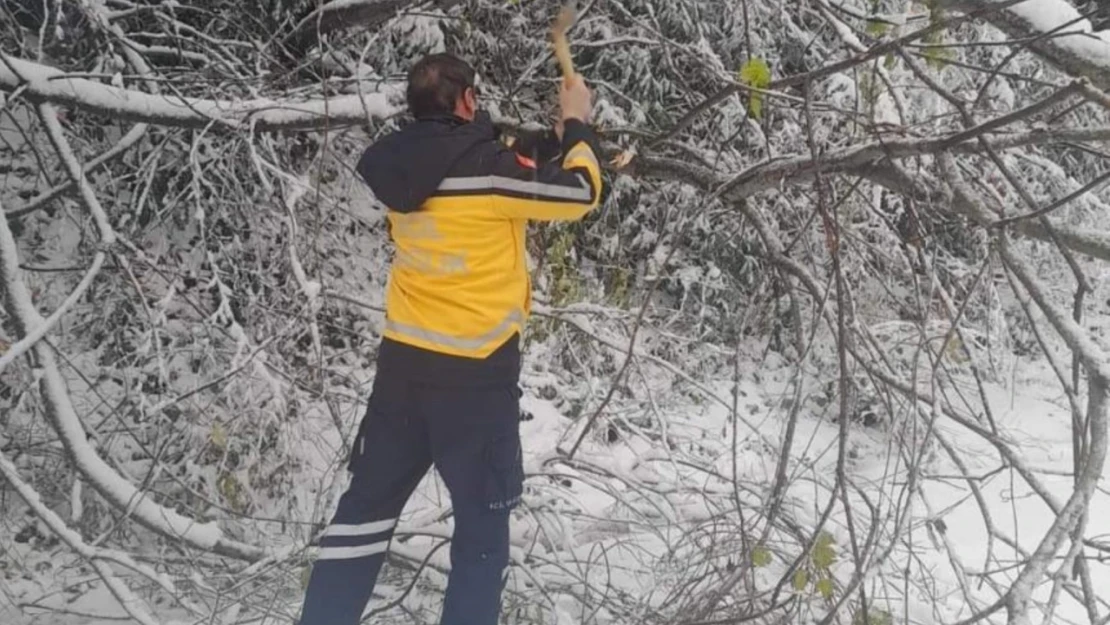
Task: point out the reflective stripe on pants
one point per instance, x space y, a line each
472 437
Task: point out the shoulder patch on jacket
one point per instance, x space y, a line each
525 161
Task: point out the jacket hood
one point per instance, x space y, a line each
406 167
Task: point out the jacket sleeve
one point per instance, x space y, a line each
542 146
553 191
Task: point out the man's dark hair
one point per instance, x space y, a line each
436 82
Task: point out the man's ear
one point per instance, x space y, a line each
470 103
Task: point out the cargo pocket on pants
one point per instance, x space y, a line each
358 447
504 474
373 417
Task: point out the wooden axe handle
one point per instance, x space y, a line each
559 35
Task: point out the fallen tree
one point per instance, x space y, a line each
211 189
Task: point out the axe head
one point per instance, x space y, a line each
564 20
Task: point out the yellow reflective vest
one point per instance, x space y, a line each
459 202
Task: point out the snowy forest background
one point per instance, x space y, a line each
833 350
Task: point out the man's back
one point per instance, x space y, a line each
459 204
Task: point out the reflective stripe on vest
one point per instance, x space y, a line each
454 342
580 193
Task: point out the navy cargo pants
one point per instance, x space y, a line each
472 436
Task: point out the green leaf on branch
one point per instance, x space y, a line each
939 57
824 551
877 28
874 617
801 580
761 557
218 436
825 587
756 73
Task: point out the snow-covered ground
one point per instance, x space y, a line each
634 510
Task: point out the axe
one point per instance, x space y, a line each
563 22
559 29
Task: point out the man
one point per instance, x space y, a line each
446 387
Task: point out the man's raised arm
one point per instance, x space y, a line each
563 190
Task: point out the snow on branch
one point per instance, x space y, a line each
63 417
40 329
1063 38
1097 364
133 136
1096 361
339 15
798 170
135 607
49 84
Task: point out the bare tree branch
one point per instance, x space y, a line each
340 15
925 188
110 484
135 607
1098 368
1083 54
47 84
133 136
